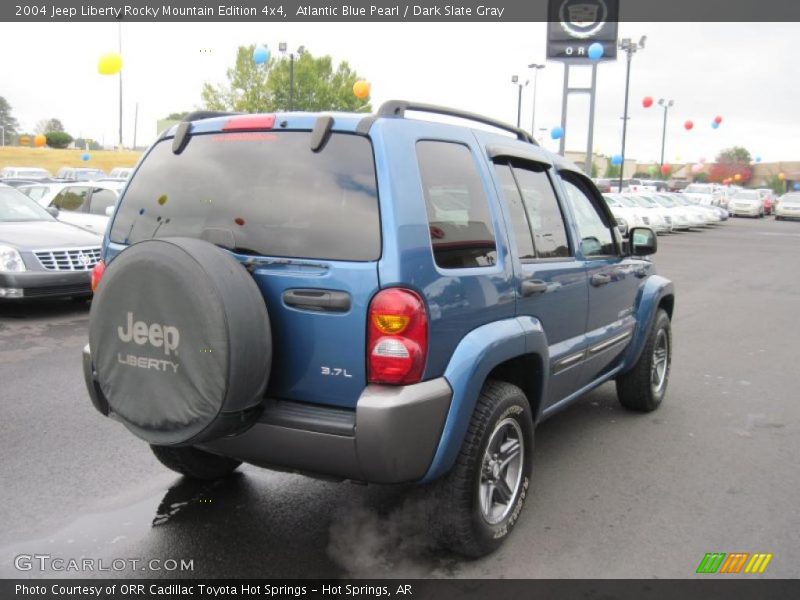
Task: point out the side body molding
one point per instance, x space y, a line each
478 353
652 293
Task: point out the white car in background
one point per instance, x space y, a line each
704 193
701 214
654 216
747 203
121 173
625 210
787 207
85 204
681 220
24 173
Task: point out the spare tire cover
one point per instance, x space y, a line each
180 340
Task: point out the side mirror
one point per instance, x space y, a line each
109 211
643 241
52 210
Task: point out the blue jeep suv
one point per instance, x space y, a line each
376 298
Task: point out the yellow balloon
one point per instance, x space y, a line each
109 64
361 89
737 177
39 141
781 176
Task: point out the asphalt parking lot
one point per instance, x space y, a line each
614 494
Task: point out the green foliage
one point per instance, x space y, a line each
58 139
594 170
735 155
7 120
643 175
265 88
176 116
612 171
700 178
776 184
53 125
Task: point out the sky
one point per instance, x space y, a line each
743 72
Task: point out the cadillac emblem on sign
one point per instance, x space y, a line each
83 259
581 18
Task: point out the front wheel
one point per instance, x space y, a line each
644 386
474 508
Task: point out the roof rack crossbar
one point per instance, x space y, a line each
397 108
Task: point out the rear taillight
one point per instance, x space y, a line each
249 123
97 274
397 337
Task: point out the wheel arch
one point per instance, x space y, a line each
658 293
502 349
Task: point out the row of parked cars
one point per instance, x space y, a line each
11 175
663 212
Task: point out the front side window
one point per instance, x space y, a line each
71 199
596 237
462 235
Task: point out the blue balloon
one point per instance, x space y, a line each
85 156
557 132
616 159
797 186
260 55
596 51
714 125
758 159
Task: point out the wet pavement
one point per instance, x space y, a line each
614 494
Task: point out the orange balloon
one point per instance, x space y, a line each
39 141
781 176
361 89
737 177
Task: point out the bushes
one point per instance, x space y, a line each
58 139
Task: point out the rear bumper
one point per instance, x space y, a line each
35 284
391 436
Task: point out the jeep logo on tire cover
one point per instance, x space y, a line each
158 336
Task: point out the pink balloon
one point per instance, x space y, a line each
702 160
697 168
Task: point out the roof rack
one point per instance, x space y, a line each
397 109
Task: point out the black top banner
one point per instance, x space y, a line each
383 10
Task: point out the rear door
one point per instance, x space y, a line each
305 223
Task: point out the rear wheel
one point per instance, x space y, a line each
475 506
644 386
195 463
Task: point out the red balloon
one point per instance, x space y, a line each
717 120
688 125
665 169
647 101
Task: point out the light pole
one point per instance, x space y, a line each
630 48
300 51
536 68
667 104
515 81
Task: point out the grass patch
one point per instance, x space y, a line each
52 159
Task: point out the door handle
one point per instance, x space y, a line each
641 273
533 287
599 279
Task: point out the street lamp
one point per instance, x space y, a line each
282 46
515 81
536 68
667 104
630 48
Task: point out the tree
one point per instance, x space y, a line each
176 116
7 121
58 139
265 88
48 125
612 171
730 163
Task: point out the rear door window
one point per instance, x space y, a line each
71 199
544 212
261 193
462 235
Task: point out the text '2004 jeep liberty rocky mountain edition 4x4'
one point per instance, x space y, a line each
373 298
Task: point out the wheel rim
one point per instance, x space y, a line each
501 471
660 363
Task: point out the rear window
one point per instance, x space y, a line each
263 193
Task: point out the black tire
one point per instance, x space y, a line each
636 389
456 517
195 463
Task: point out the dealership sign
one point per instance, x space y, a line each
574 25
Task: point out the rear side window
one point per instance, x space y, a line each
101 200
71 199
261 193
458 210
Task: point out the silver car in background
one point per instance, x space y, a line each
747 203
787 207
